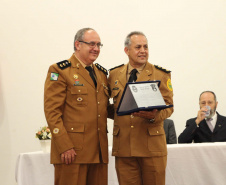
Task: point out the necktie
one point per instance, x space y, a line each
208 121
133 76
91 73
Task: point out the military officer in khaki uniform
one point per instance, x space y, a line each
75 103
139 143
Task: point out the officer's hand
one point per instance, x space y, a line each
68 156
201 115
146 114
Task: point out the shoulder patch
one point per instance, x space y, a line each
64 64
116 67
162 69
101 68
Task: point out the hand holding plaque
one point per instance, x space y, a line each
141 96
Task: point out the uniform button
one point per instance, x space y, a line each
72 128
132 126
132 116
157 132
98 129
98 103
99 115
79 90
97 91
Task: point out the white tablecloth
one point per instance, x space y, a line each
187 164
34 168
196 164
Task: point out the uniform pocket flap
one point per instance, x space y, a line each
75 127
79 90
155 131
116 130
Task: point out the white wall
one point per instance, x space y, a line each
185 36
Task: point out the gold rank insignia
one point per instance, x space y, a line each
101 68
169 85
75 76
56 130
162 69
64 64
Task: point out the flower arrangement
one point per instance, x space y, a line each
43 133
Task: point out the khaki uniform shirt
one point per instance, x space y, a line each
76 111
136 136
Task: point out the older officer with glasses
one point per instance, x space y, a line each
75 103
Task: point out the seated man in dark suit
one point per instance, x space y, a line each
171 137
205 127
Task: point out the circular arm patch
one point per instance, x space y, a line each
169 85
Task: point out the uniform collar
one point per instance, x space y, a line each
130 68
83 65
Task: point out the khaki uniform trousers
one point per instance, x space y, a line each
141 170
81 174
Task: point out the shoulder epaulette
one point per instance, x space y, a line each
101 68
116 67
64 64
162 69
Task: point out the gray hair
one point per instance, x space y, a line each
79 35
128 38
215 98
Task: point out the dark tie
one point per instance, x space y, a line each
133 76
91 73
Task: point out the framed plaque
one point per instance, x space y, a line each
141 96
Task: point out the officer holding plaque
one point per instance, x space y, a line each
208 126
139 143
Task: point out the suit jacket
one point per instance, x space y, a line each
135 136
201 134
171 137
76 112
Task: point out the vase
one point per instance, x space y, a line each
45 145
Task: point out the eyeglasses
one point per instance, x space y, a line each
93 44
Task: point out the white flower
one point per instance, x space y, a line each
49 135
44 135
